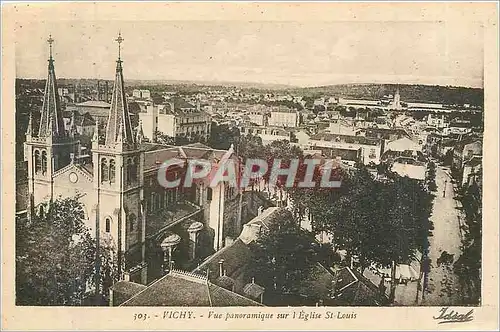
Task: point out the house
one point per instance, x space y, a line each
464 151
386 134
177 118
268 134
403 144
354 148
353 289
436 121
284 117
471 168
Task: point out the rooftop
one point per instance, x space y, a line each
95 103
179 288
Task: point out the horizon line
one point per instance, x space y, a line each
281 85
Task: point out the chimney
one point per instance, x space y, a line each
221 267
253 280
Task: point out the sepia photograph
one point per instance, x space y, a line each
249 163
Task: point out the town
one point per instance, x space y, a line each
95 227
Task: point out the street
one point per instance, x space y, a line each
443 287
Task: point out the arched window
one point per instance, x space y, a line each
104 170
44 162
112 171
108 225
38 162
132 220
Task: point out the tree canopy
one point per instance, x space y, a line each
284 255
56 255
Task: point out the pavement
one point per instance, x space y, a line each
443 285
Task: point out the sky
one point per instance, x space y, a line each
291 53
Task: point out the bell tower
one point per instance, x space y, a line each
118 161
48 148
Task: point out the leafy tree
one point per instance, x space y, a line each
161 138
56 255
285 254
468 265
380 221
430 178
222 136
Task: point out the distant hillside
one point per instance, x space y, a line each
409 92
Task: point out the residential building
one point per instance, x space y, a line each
141 94
353 148
177 118
267 134
466 153
471 170
258 115
284 117
436 120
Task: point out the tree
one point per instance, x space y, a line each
222 136
430 177
161 138
56 255
284 255
468 265
380 221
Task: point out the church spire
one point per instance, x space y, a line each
119 119
140 133
29 131
51 120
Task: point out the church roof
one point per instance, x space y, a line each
154 158
179 288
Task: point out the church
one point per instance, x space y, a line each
151 227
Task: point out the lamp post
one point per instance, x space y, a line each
168 246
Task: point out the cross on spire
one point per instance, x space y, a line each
119 40
50 41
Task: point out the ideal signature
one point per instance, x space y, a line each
451 316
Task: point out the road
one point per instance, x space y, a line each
443 286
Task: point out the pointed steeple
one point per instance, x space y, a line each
72 131
29 130
95 137
51 120
140 133
119 128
